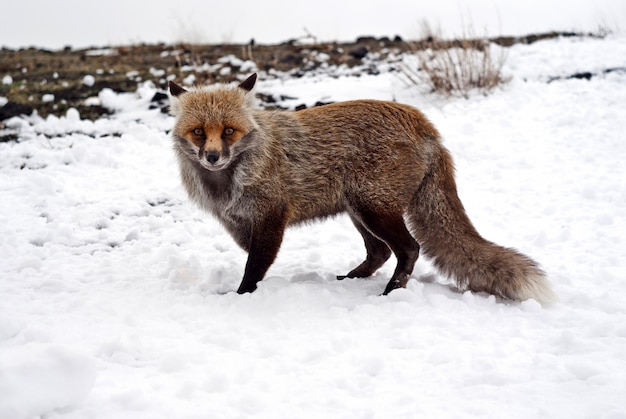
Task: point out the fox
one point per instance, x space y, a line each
382 163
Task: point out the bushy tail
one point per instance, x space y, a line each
447 236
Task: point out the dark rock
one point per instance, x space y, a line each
291 59
160 101
362 39
265 98
11 109
359 52
7 138
159 97
586 75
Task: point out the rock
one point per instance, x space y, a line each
12 109
359 52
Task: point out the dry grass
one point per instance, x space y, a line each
456 68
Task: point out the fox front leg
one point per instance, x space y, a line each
267 235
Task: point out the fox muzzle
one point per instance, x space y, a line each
212 156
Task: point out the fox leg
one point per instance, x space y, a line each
265 241
391 229
377 254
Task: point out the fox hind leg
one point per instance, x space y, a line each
390 228
377 254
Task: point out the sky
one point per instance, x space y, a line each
80 23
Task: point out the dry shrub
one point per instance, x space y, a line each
456 68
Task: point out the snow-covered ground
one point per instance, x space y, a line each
116 294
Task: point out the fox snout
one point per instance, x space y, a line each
212 157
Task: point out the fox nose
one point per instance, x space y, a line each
212 157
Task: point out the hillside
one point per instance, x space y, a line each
53 81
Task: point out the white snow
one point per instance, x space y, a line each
89 80
39 377
118 295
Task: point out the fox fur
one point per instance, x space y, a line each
383 163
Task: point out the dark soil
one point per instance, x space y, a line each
36 74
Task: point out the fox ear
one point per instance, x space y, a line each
176 90
248 83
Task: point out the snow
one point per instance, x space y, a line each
49 377
89 80
118 293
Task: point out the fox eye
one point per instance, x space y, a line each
198 132
229 131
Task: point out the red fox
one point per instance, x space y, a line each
383 163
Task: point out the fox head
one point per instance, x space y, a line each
214 124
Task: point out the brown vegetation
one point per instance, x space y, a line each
457 69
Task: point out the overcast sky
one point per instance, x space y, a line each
82 23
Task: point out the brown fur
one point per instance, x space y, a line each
383 163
